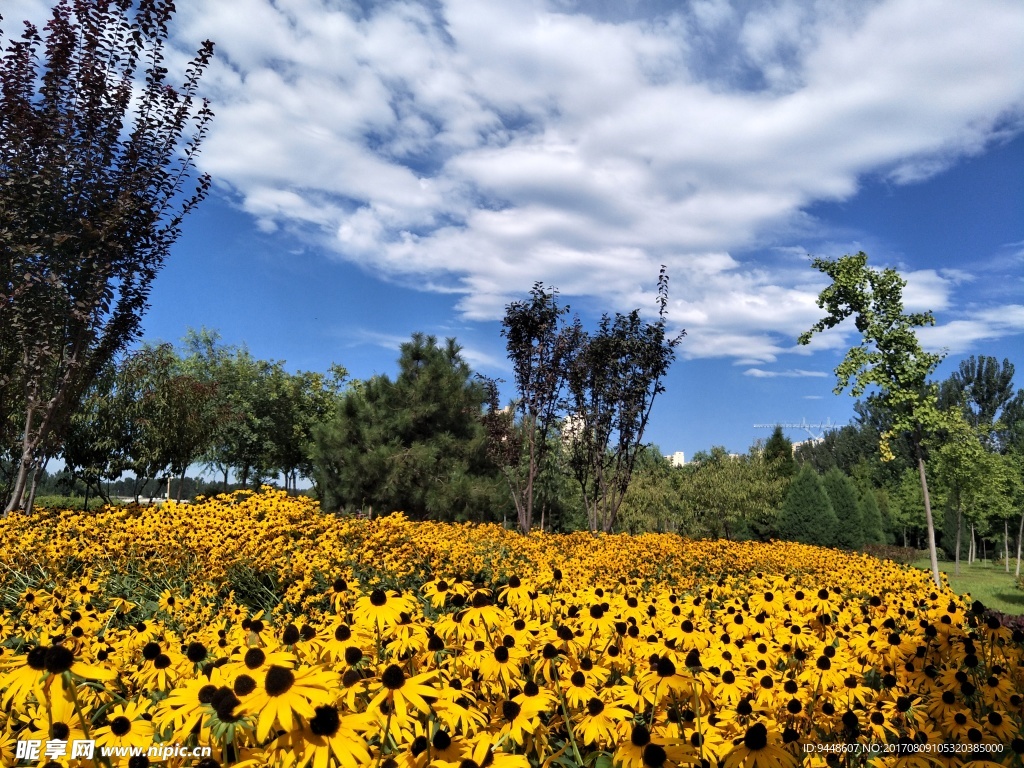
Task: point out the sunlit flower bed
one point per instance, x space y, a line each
280 635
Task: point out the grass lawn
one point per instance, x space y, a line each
984 581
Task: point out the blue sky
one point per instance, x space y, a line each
385 168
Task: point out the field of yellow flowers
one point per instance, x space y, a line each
283 636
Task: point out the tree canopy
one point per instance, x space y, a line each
889 357
89 205
414 444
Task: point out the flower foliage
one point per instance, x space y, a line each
283 636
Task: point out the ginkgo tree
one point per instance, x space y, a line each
889 358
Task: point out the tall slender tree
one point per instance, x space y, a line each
538 347
889 358
613 379
89 206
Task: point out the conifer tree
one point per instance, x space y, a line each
779 451
807 514
843 495
871 515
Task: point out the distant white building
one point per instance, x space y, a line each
677 459
810 441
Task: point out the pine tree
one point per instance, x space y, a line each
843 495
871 516
807 514
415 444
779 451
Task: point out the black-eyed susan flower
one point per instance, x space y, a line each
603 724
282 693
126 727
759 747
327 739
642 750
400 692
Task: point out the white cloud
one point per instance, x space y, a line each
795 373
958 336
479 147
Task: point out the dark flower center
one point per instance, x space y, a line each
60 731
442 741
419 745
291 635
150 651
196 652
254 658
654 756
58 659
353 655
36 658
342 633
393 677
278 680
120 725
501 654
224 704
756 737
163 661
244 685
510 710
206 694
595 707
378 597
325 721
640 737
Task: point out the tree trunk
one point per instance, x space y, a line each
24 464
225 479
1006 544
973 548
1020 535
959 524
933 554
32 492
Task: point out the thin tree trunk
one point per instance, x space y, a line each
1020 535
225 479
984 551
24 464
932 552
973 548
959 524
35 484
1006 544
